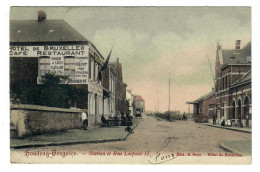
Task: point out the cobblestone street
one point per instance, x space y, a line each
157 135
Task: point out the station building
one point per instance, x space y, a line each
232 95
233 84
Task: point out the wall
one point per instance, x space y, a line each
208 110
31 120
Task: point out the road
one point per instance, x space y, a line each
153 136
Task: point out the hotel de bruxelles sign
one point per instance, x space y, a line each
57 55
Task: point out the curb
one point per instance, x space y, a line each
73 142
223 146
233 129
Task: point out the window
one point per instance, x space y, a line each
201 109
89 64
92 69
69 66
223 81
226 81
44 65
96 72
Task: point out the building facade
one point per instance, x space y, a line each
131 98
120 94
53 46
233 84
232 96
109 84
203 108
140 103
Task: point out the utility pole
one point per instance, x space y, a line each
211 71
169 107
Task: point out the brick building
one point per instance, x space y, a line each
109 85
233 84
140 103
232 96
203 108
120 96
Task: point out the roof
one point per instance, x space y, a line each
244 78
237 56
139 98
204 97
46 31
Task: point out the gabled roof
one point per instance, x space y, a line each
139 98
204 97
244 78
47 31
230 56
237 56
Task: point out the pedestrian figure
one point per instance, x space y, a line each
223 122
129 129
214 119
104 121
184 117
85 119
229 122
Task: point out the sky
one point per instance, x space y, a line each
155 44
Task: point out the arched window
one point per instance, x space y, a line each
233 115
246 107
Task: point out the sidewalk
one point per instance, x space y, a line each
245 130
76 136
241 147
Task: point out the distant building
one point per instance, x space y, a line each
131 98
120 89
109 84
140 103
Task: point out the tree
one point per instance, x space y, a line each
53 93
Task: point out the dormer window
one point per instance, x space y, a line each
50 31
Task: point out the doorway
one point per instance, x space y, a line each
246 111
239 113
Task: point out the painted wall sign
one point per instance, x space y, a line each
54 51
57 65
66 60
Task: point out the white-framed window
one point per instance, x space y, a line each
44 65
69 66
96 72
92 69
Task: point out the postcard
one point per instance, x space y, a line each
130 85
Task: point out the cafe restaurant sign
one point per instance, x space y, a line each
57 60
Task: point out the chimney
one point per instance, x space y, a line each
117 60
238 44
218 46
41 16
